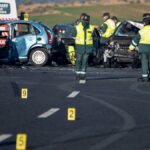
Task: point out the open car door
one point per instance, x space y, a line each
23 37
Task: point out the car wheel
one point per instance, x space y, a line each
38 57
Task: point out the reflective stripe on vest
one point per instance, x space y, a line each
80 38
118 24
110 28
145 35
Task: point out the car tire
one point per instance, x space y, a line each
38 57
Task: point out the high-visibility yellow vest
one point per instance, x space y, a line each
80 37
26 17
72 55
118 24
110 28
145 35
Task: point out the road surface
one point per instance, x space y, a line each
112 109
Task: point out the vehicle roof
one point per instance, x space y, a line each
135 23
17 21
65 24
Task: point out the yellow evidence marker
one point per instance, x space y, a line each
71 114
21 142
24 93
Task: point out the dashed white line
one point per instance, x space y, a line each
4 137
82 81
73 94
49 113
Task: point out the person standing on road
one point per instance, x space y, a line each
107 28
143 40
83 34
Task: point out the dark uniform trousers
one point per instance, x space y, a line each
82 55
145 60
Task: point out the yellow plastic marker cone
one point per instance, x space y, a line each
71 114
21 142
24 93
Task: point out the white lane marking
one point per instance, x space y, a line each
49 113
73 94
129 124
4 137
136 88
82 81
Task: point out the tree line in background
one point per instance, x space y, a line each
82 1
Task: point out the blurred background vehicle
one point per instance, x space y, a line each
8 10
25 41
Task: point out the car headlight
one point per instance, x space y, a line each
63 31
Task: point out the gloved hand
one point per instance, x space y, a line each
131 48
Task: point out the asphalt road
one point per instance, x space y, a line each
113 109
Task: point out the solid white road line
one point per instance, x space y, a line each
73 94
82 81
49 113
4 137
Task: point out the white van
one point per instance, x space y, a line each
8 10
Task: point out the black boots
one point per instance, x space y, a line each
80 76
83 77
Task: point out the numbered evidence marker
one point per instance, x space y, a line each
71 114
24 93
21 142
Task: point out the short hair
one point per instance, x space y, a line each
146 21
85 17
82 15
106 14
146 15
114 18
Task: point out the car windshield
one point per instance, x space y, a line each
126 29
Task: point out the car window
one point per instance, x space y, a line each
126 29
36 30
23 29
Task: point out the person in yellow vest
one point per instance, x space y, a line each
83 33
142 39
107 28
116 20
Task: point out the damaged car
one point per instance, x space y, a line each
64 43
116 50
25 41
